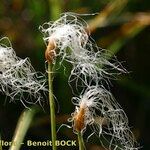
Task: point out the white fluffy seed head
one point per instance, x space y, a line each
69 33
105 117
18 79
90 63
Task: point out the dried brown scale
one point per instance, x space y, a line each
87 30
79 120
50 53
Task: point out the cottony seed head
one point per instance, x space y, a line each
18 79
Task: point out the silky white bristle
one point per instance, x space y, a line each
18 79
100 107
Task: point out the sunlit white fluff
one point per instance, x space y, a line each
94 70
18 79
105 117
73 44
69 34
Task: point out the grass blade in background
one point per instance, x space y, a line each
55 8
129 30
111 10
22 127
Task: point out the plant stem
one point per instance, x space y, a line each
81 142
55 11
52 107
0 143
21 129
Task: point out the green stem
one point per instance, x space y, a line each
52 107
55 11
21 129
81 142
0 144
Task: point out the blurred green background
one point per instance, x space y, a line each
121 26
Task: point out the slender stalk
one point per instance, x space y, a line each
21 129
0 144
80 141
52 107
55 11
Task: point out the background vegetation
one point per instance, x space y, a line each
122 26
